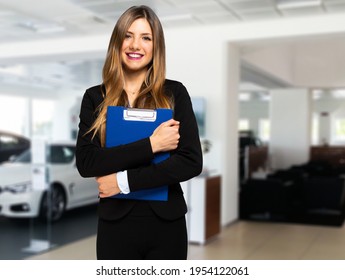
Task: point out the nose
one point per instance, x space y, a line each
135 44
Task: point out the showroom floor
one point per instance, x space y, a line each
243 240
15 234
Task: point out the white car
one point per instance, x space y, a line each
66 189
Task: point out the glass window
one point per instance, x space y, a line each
61 154
24 157
58 154
339 131
315 130
243 124
13 112
264 130
42 117
8 142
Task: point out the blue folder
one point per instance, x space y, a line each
126 125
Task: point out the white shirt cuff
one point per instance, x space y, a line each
122 182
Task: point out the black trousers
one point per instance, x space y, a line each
142 235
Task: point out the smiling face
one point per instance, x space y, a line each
137 47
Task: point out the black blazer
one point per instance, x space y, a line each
184 163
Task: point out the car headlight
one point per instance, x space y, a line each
18 188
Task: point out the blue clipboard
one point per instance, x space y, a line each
126 125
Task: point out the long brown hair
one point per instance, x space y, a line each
151 94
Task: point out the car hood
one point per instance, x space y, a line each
11 173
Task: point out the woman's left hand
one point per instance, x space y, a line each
107 185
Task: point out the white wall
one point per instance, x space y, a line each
229 109
320 63
210 68
313 62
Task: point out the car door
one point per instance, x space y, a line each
81 191
84 190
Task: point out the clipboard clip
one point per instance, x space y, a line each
135 114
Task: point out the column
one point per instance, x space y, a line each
290 116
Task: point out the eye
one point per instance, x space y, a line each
128 35
147 38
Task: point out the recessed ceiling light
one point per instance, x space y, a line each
293 4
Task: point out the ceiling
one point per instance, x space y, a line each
36 19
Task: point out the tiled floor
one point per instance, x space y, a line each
243 241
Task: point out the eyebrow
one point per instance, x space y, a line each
140 33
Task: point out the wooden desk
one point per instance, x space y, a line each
203 197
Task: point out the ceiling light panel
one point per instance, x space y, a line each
168 11
205 8
305 11
104 8
217 17
205 11
189 3
122 4
296 4
112 9
260 14
197 7
180 23
248 5
90 2
252 9
172 17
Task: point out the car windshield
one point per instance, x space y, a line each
58 154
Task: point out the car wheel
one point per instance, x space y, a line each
53 204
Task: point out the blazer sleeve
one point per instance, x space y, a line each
185 162
92 159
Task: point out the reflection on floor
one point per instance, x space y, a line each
243 240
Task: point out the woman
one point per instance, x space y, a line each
134 76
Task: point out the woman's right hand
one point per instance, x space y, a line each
165 137
107 185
